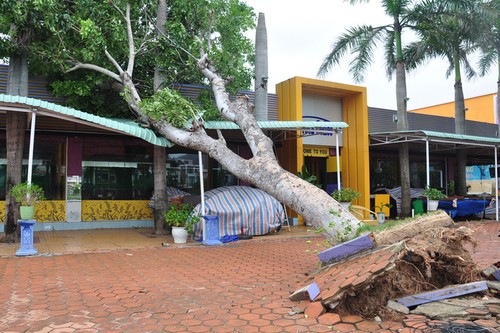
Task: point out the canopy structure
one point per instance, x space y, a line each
485 147
60 116
42 108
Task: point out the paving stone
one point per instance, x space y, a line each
314 310
181 291
329 319
351 319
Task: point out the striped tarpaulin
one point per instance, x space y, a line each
241 210
173 192
395 193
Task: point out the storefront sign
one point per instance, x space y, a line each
316 152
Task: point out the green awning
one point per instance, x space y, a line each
384 138
132 128
281 125
123 126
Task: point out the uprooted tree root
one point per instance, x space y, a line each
429 261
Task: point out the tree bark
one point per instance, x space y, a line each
16 124
402 125
160 173
461 184
160 190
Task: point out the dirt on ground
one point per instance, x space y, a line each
430 260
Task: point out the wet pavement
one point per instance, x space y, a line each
128 281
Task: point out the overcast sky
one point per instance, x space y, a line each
300 34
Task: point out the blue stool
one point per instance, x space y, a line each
26 248
211 230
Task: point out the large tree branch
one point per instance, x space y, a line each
130 37
114 62
96 68
239 112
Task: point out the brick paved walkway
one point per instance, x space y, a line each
239 287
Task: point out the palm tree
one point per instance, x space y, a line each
489 45
362 40
448 29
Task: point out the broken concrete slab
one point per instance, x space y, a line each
307 292
495 285
444 293
398 307
455 309
493 272
346 249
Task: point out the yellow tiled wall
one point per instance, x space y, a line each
92 210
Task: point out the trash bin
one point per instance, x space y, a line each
26 248
211 230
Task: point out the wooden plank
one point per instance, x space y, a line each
444 293
310 291
346 249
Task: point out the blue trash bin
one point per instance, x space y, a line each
211 230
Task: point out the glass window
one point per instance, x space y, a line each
117 168
183 172
48 165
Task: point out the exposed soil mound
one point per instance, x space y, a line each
428 261
425 254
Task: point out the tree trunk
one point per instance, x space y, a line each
160 190
159 167
459 109
498 108
404 162
402 125
16 123
461 184
315 205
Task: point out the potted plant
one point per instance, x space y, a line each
380 214
27 195
179 216
345 195
433 196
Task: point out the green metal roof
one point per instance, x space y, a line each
283 125
413 135
124 126
461 137
130 127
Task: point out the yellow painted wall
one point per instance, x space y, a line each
92 210
116 210
480 108
354 154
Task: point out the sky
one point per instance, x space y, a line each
300 34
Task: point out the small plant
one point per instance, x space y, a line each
433 194
308 177
379 208
27 194
345 194
180 215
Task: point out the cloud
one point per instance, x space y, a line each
300 35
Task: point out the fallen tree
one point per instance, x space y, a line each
181 122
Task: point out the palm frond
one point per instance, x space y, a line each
359 40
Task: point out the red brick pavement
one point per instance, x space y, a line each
237 287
